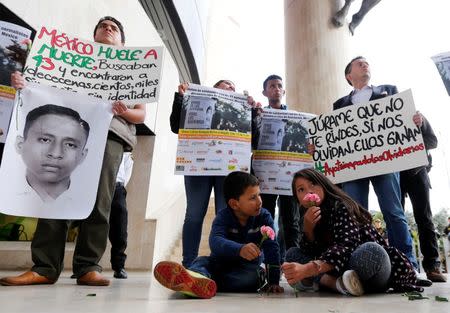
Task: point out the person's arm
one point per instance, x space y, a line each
218 241
429 138
133 115
295 272
17 80
176 108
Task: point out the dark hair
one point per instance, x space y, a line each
270 77
348 68
332 192
115 21
48 109
236 183
223 81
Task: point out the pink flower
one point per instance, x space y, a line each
312 199
266 232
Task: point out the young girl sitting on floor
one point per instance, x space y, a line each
340 248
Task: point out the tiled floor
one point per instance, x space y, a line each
141 293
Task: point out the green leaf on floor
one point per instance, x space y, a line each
91 295
440 299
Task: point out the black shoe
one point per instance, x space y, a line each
121 274
73 276
423 282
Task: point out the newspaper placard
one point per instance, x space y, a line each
108 72
282 149
361 141
215 133
13 53
442 62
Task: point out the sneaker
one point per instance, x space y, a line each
307 285
177 278
436 276
349 284
120 274
422 282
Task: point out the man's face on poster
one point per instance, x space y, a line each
52 148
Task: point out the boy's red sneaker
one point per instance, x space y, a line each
177 278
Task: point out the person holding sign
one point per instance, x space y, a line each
48 244
289 215
415 183
387 186
198 188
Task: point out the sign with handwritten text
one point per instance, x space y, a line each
104 71
361 141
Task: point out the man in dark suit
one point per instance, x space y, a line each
387 186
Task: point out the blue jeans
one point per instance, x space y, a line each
198 191
387 188
234 277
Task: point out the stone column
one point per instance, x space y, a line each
316 55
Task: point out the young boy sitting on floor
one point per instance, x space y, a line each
235 242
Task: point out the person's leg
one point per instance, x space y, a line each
242 277
198 191
219 198
93 233
290 217
387 188
118 223
418 189
297 255
269 202
373 266
194 282
47 247
358 190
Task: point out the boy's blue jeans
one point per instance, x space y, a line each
235 277
370 261
198 191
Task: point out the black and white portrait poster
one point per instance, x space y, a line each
53 154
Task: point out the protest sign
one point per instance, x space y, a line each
108 72
54 153
442 62
13 53
282 149
215 133
360 141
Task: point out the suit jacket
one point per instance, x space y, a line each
377 93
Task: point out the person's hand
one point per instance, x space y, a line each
182 88
294 272
418 119
311 148
275 289
17 80
250 251
312 217
119 107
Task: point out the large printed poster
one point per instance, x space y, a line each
442 62
365 140
13 53
282 149
215 133
131 74
53 154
